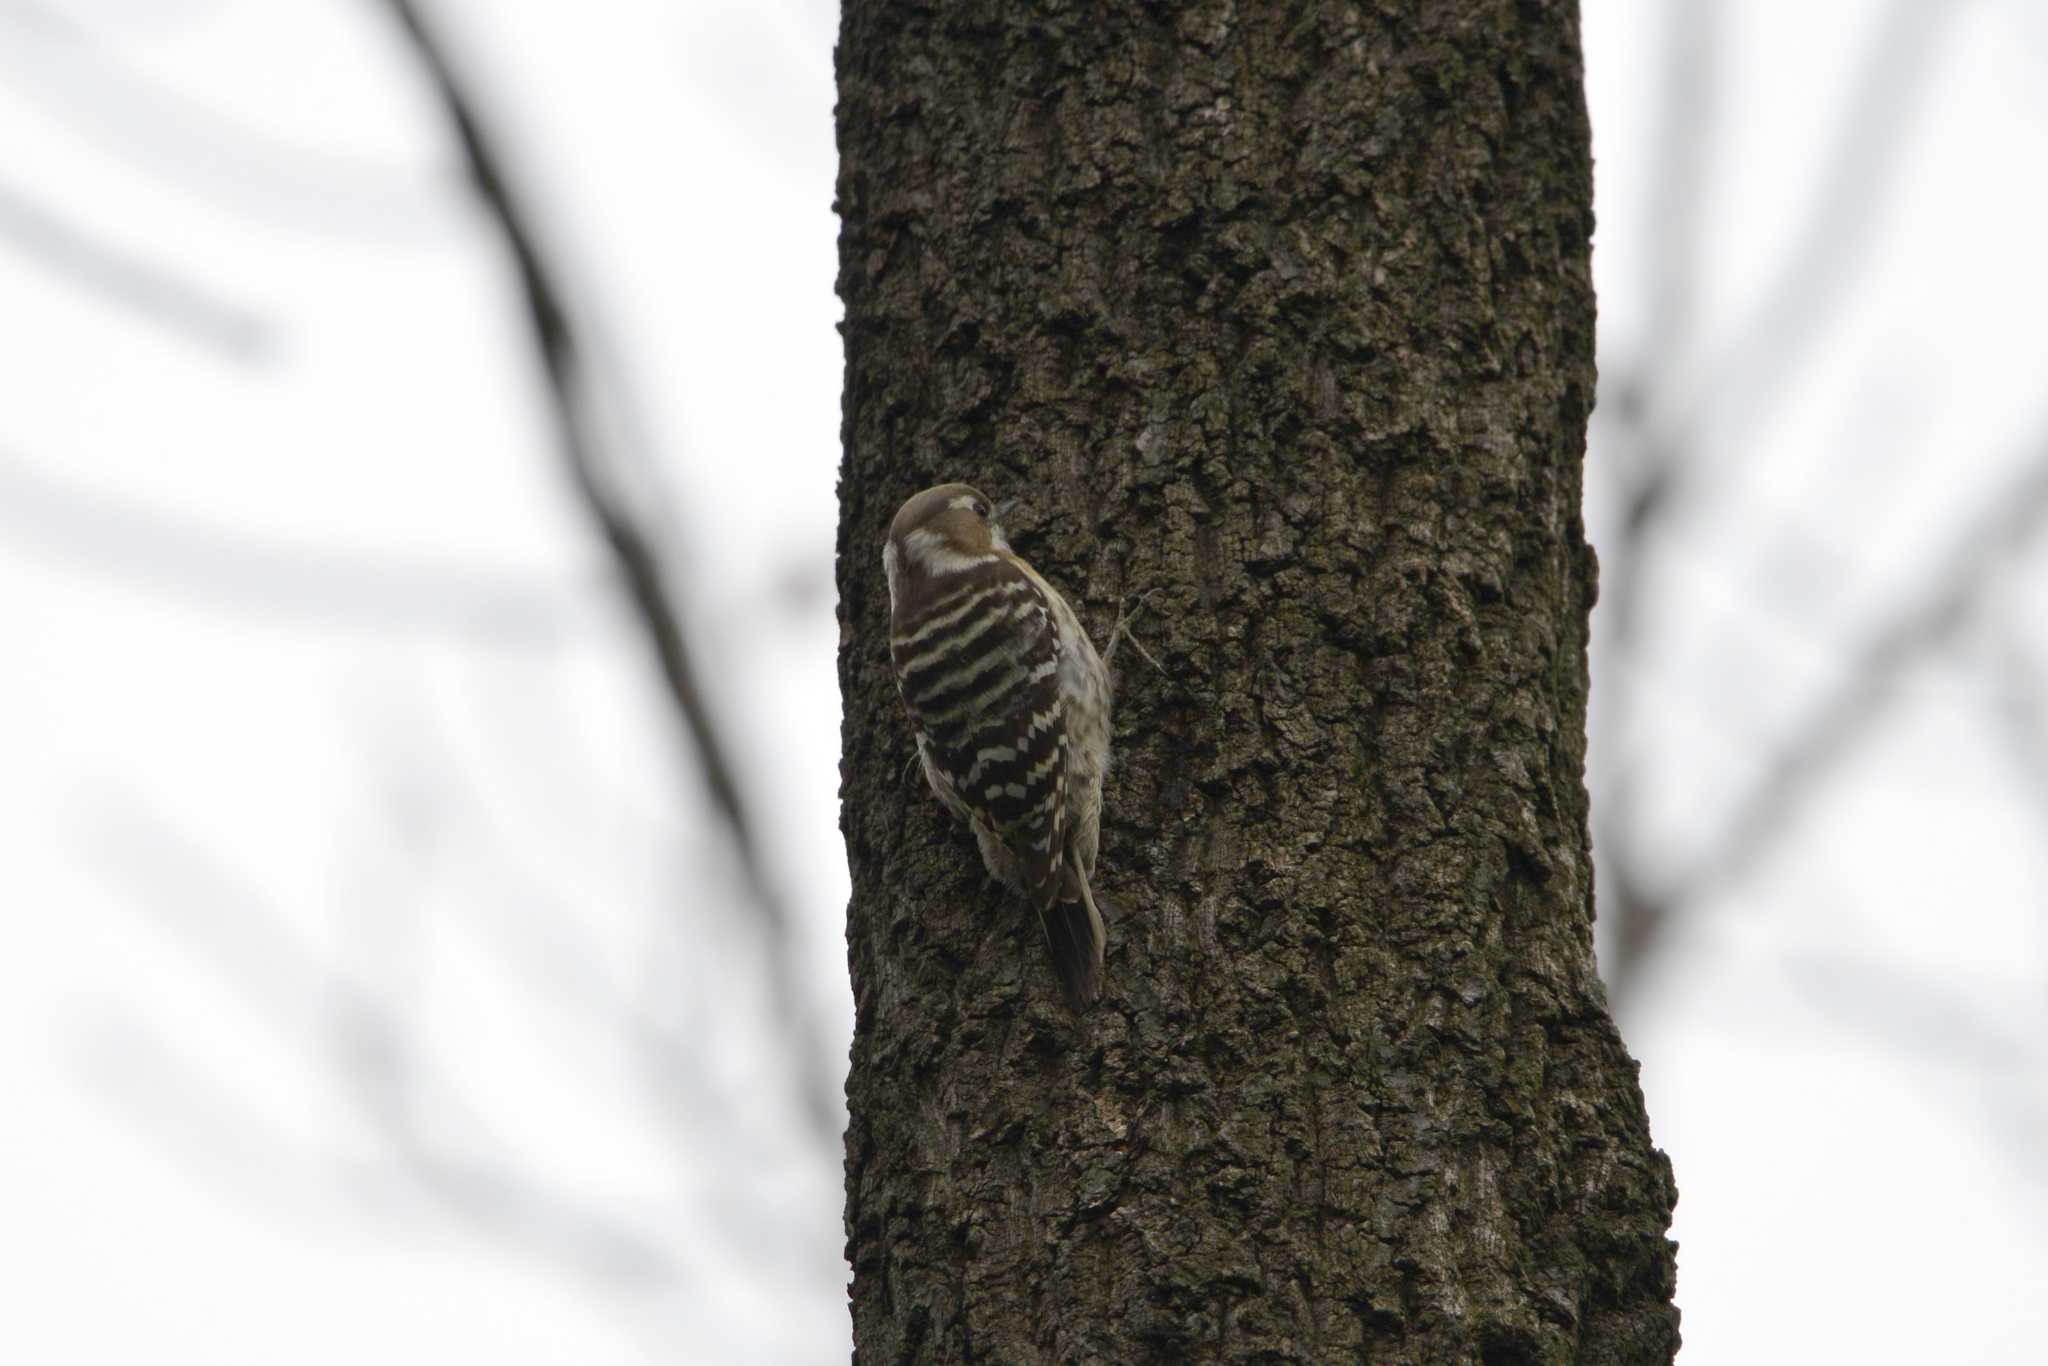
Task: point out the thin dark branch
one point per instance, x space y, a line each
565 358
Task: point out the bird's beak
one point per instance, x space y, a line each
1004 509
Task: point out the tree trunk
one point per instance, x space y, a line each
1282 311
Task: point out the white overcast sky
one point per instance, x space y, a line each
373 989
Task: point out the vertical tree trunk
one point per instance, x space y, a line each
1283 311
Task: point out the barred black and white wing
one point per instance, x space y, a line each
978 667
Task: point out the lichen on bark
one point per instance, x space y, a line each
1281 313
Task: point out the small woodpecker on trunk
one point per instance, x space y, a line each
1011 705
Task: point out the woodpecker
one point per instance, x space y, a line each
1011 706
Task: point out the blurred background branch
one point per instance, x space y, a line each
1958 587
241 572
178 141
113 275
644 566
1678 417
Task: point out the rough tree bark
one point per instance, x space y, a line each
1282 311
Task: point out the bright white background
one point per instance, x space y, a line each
374 987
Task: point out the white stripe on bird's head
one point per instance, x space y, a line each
936 555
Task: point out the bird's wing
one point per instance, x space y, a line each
983 685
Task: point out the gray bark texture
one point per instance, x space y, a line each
1282 312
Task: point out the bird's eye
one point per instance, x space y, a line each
981 511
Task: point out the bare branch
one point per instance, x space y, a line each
2021 712
1677 198
1985 1057
354 1031
1763 354
180 141
158 550
1642 459
148 291
1665 416
1983 548
566 360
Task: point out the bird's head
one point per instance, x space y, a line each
944 530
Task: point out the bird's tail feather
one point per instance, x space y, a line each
1075 938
